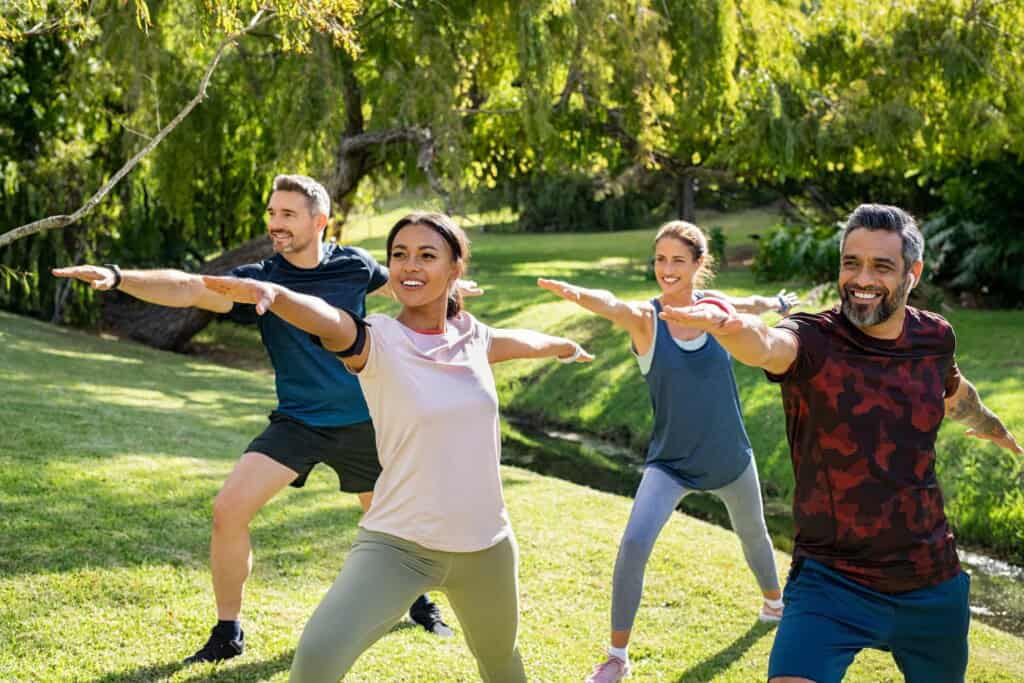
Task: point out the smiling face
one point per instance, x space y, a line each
422 267
874 282
291 224
675 266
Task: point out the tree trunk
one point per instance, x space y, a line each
172 328
686 200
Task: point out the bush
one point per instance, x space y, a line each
975 243
577 203
805 252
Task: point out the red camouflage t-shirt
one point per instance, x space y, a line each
861 417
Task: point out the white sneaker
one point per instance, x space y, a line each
770 615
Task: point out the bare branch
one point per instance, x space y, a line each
61 221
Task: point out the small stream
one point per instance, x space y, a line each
997 587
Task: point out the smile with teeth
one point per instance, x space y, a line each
412 283
864 296
670 279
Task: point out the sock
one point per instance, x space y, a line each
774 604
230 629
620 652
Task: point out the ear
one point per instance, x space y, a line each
320 220
915 273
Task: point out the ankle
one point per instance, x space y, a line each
620 652
229 628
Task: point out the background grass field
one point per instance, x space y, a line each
111 453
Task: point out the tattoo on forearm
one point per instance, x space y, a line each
973 413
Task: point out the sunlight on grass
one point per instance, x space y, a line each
103 570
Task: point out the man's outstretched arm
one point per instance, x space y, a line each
745 336
173 288
965 406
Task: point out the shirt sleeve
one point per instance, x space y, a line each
378 273
245 314
952 380
811 346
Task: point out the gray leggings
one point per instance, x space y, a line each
383 574
656 498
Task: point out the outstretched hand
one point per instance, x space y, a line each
559 288
243 291
468 288
1006 440
579 355
787 300
708 314
98 277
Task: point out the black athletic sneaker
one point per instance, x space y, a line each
426 613
218 648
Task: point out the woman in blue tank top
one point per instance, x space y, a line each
698 442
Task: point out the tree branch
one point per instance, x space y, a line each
53 222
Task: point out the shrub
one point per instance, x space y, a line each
793 251
577 203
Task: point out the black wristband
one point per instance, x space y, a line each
117 274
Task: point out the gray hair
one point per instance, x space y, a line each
890 219
316 194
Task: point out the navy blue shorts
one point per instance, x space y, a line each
829 619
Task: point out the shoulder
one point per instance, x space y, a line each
380 320
350 253
256 271
930 325
467 322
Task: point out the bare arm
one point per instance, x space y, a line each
173 288
965 406
636 318
513 344
780 303
745 336
335 328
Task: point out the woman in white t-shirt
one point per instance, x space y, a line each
438 518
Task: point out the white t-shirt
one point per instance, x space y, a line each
435 411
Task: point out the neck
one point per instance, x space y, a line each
430 317
309 257
681 297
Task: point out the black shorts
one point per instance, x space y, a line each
351 451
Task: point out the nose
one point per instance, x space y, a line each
863 278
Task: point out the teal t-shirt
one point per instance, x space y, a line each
312 385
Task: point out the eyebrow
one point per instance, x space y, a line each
425 246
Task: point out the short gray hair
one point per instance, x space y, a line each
316 194
890 219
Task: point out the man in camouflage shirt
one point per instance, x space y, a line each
865 387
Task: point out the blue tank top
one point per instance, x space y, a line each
698 435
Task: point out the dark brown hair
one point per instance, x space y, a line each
452 234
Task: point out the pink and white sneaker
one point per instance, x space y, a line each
770 614
611 670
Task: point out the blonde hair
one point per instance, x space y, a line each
693 237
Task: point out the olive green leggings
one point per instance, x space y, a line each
383 574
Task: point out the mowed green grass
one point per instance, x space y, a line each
110 455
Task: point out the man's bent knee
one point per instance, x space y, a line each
228 514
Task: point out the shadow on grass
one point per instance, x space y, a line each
99 524
708 670
250 671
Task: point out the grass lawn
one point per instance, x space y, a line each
111 454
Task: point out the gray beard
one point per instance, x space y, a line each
863 316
